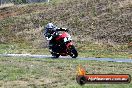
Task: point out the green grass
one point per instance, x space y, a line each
104 54
58 73
102 50
21 49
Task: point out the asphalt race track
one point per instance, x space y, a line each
66 57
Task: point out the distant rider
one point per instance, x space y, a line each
51 32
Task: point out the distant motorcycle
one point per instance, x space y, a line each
63 46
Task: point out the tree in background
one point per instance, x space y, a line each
19 1
24 1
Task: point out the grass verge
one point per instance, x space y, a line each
58 73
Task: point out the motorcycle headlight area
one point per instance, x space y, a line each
67 39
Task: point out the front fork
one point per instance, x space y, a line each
69 44
69 47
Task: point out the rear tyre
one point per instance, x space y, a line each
74 52
55 55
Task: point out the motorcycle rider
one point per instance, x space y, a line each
51 32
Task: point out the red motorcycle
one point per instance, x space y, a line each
63 46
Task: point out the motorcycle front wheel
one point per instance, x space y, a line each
73 52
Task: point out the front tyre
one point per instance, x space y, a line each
73 52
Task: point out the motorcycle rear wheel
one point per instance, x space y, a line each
55 55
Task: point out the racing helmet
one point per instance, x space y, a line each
50 26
